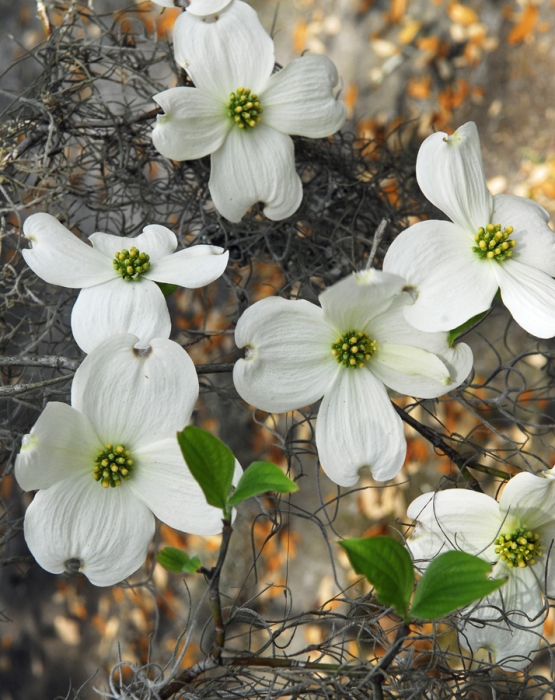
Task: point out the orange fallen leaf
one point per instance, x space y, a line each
548 188
409 32
462 14
165 22
299 36
419 88
430 44
525 25
397 11
350 99
364 6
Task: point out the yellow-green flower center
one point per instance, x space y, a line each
244 108
492 243
519 548
112 465
353 349
131 263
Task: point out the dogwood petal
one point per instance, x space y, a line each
224 52
530 499
451 282
298 99
108 244
157 241
59 257
409 370
202 8
252 166
193 125
353 302
164 483
142 397
454 519
358 427
192 268
61 444
450 173
108 530
392 327
509 622
535 240
529 294
118 306
289 363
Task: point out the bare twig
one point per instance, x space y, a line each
55 361
16 389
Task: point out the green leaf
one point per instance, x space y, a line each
451 581
211 463
166 288
259 478
388 567
456 332
179 562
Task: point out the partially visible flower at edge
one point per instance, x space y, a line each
346 351
110 462
118 295
201 8
516 535
243 115
495 242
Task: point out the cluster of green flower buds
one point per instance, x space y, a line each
353 348
112 465
131 263
492 242
519 548
244 108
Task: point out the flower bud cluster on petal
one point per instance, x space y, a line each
353 346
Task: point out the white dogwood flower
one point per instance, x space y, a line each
516 535
346 351
110 462
494 242
201 8
243 115
118 276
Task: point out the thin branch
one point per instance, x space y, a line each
55 361
44 17
215 658
16 389
59 362
215 368
378 236
462 463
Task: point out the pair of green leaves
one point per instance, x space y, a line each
212 464
451 581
